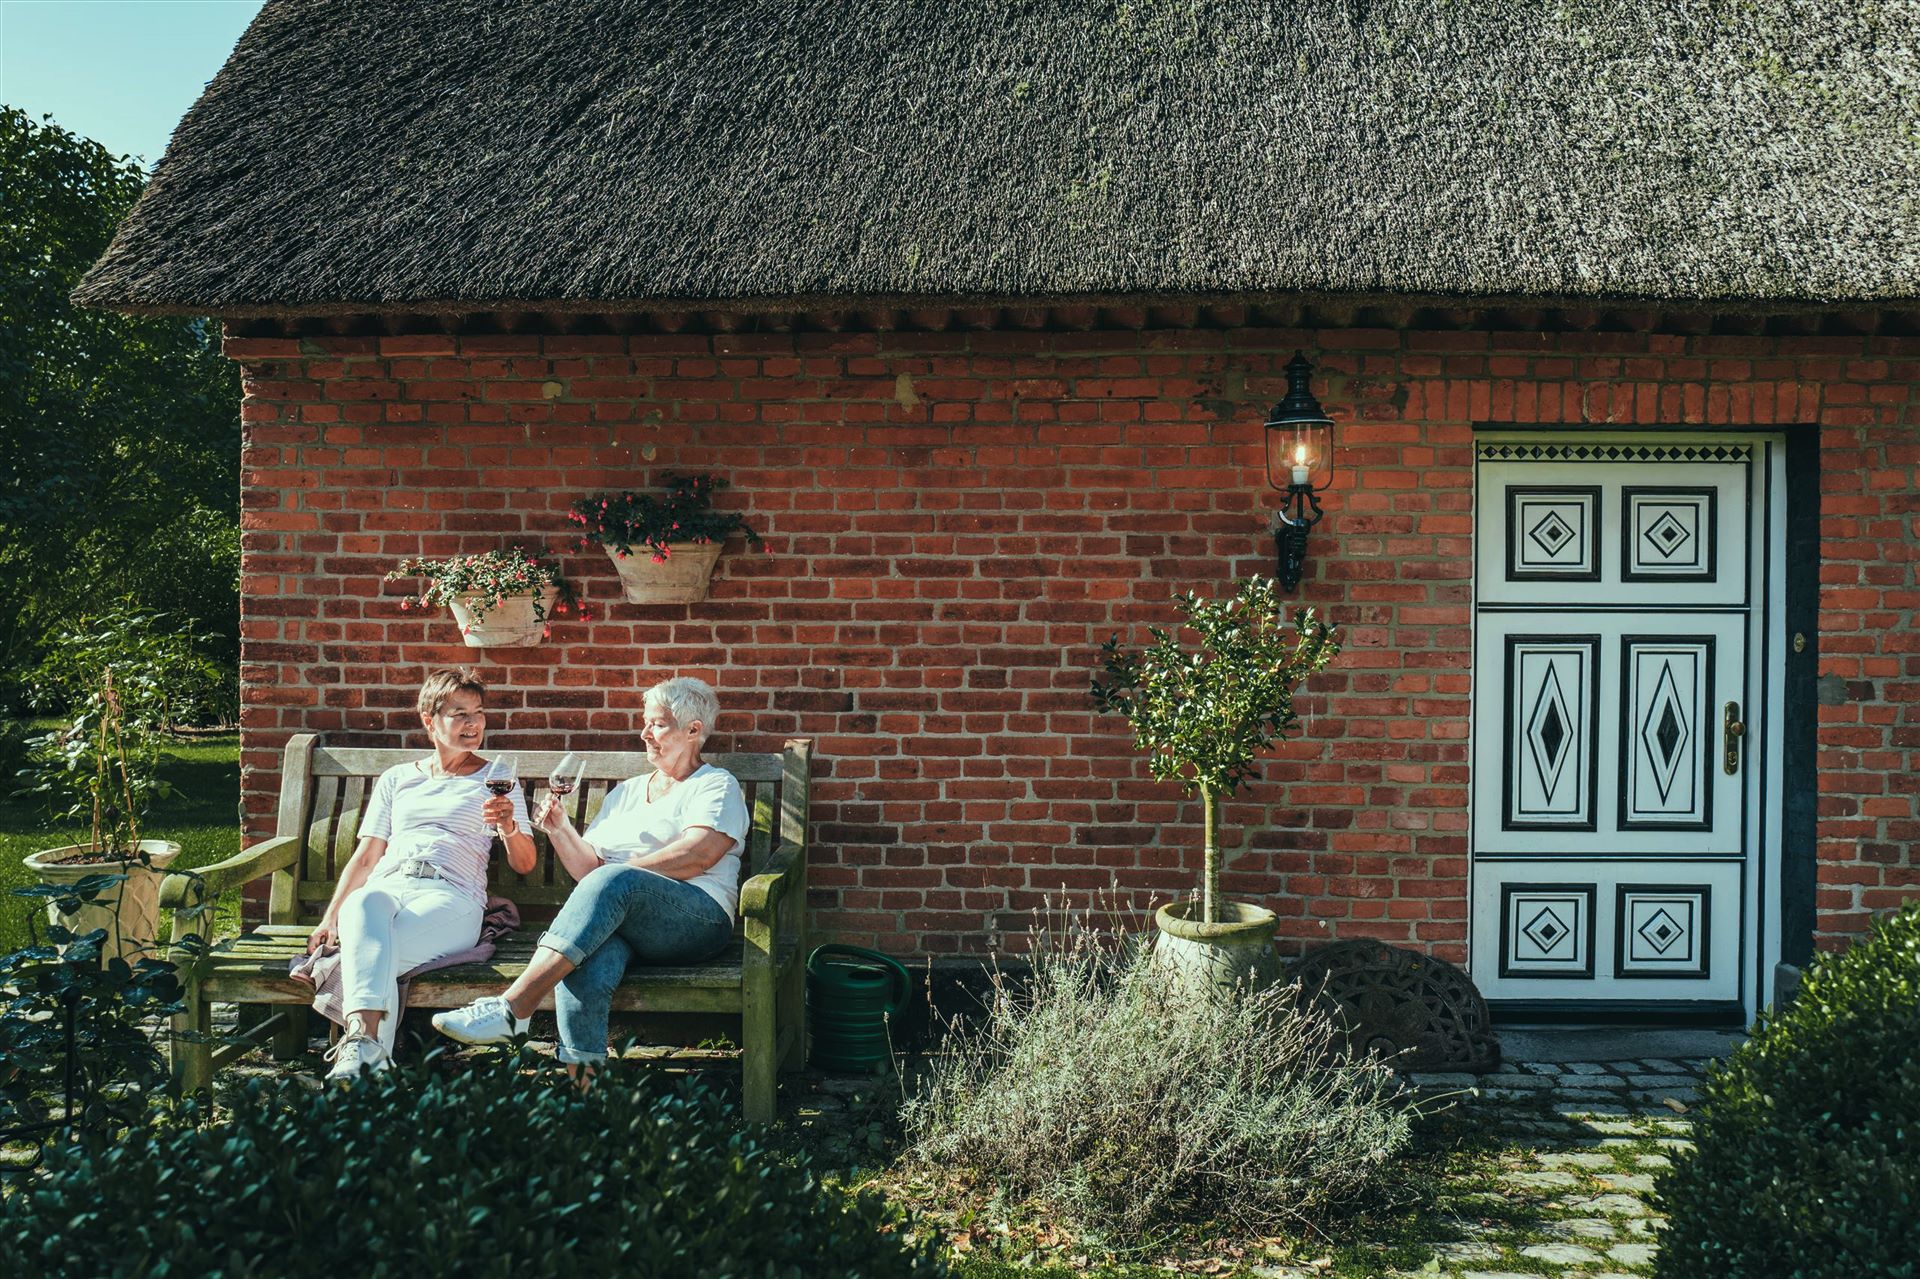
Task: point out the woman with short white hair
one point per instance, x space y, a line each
659 883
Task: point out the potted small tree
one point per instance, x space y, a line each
499 598
664 549
1204 715
102 768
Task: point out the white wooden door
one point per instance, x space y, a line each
1619 719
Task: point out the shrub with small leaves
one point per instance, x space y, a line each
1205 714
1806 1162
70 1020
1105 1089
496 1170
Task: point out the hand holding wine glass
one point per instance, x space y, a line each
564 780
501 777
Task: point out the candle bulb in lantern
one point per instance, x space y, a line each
1300 464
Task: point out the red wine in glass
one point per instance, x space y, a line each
501 777
566 775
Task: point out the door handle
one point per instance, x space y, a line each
1731 731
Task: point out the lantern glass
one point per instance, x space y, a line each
1300 454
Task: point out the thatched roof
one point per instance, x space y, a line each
477 154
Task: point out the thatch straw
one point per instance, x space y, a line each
492 153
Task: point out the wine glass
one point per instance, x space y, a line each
501 777
565 778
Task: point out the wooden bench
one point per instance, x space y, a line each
322 793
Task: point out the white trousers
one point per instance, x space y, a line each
392 925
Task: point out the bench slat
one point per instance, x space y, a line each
253 968
350 761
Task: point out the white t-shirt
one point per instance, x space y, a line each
436 819
628 826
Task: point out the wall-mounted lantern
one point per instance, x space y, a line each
1299 464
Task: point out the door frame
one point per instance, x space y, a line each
1787 864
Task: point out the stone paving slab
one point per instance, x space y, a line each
1585 1140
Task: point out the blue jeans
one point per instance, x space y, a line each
616 914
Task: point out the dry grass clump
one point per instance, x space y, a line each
1130 1106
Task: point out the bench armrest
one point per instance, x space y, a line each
183 889
760 896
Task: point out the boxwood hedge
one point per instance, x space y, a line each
496 1169
1807 1162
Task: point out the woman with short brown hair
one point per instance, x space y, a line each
416 887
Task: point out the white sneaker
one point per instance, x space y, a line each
354 1053
487 1020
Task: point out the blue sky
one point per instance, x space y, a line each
122 72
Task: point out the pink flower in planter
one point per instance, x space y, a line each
658 558
405 605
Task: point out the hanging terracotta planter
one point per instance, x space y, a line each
516 622
499 599
682 577
664 548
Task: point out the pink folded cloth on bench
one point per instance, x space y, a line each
321 969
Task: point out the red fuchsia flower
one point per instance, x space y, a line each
658 558
623 554
585 616
546 632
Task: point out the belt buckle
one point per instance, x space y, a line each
419 868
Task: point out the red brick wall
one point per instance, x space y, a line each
956 519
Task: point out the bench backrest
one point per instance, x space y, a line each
323 792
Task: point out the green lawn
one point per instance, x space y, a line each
203 817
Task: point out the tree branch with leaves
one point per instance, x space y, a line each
1205 713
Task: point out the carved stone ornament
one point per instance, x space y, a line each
1416 1012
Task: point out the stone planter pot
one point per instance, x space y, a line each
131 935
682 578
1234 952
512 623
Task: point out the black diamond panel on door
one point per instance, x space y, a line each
1661 930
1553 534
1668 534
1546 930
1667 732
1549 751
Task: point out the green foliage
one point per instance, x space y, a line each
622 521
101 768
161 668
110 1006
1807 1158
1106 1090
120 471
501 1168
1204 715
482 582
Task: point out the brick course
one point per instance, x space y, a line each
955 520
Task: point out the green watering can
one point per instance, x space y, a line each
851 995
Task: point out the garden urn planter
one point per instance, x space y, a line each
1234 952
135 900
512 623
681 578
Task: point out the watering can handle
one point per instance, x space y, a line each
897 974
